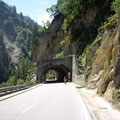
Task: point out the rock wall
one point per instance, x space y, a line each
102 59
117 61
13 50
77 77
49 41
81 31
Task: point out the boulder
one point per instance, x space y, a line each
104 84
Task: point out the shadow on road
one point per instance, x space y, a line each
79 87
51 82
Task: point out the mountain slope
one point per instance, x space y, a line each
6 65
15 39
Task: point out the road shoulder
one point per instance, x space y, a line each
98 107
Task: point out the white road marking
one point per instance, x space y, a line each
28 108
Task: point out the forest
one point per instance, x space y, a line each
17 28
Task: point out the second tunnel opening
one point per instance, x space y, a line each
54 73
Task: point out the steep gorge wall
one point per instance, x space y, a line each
102 64
105 55
49 41
84 26
81 31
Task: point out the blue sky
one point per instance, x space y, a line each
36 9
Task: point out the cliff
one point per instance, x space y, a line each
49 41
95 34
81 31
102 62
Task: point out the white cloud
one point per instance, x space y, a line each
44 19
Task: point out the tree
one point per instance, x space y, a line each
14 9
115 5
69 8
10 29
46 24
53 10
34 37
21 15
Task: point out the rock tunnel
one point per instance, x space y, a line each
61 71
60 66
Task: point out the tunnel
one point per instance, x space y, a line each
60 70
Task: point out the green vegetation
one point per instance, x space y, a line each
69 8
115 5
6 65
84 62
34 37
51 74
111 61
116 95
62 43
47 24
53 10
76 26
59 55
21 75
18 29
111 22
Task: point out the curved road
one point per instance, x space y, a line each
56 101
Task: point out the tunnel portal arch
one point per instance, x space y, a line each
60 66
59 69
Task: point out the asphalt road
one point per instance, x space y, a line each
56 101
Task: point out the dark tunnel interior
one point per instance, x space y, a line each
61 72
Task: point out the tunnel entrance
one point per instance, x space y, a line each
51 76
58 68
54 73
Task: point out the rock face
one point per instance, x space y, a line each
13 50
92 52
49 41
103 61
117 62
81 30
105 54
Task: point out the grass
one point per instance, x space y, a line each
59 55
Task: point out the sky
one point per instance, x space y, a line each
35 9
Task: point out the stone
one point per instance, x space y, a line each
109 92
103 54
91 54
93 81
117 68
49 41
104 84
61 66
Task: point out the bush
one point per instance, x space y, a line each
111 21
115 5
20 81
59 55
12 81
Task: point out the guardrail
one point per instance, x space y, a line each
11 89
